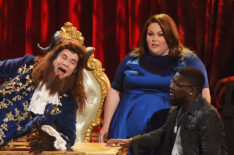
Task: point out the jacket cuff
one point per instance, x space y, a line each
59 143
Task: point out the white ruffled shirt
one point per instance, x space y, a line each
41 98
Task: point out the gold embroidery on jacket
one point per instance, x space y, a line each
8 88
3 105
24 69
18 127
55 110
22 90
3 126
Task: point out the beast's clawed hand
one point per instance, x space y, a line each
41 141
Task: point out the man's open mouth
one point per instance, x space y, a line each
62 70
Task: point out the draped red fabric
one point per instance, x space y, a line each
28 27
44 19
99 30
113 27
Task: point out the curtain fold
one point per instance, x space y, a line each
114 27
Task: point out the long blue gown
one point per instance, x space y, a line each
144 87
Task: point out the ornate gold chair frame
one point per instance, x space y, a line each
96 86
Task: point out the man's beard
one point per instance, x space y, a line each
56 85
175 101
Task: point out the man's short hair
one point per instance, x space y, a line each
194 76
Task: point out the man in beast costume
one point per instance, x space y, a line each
45 90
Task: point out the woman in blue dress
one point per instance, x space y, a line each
138 100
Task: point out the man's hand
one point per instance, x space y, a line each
119 142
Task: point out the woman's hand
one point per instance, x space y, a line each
111 103
103 135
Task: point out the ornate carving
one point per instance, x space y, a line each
104 84
69 32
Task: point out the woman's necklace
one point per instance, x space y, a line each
178 119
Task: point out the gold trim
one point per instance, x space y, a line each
104 84
68 31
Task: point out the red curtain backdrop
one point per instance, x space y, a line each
113 27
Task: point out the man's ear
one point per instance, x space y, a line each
191 91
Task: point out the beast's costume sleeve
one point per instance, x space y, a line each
65 122
65 125
9 68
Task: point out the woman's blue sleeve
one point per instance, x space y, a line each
9 68
194 61
119 75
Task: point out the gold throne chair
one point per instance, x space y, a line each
96 85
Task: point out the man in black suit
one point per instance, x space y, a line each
193 126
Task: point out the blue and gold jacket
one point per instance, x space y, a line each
15 96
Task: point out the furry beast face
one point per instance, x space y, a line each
59 69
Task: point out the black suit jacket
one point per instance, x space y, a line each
201 132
